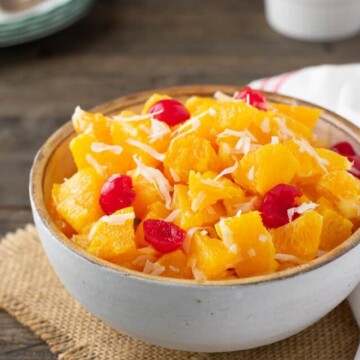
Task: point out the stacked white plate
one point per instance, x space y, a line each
40 20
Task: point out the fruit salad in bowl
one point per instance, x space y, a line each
202 218
213 188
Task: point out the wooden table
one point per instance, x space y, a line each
119 48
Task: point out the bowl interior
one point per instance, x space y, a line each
54 162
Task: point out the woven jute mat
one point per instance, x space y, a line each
30 291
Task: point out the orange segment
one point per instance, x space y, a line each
77 199
189 153
195 103
188 218
205 191
253 243
336 228
262 169
304 115
113 235
343 190
210 257
110 158
301 237
176 265
92 124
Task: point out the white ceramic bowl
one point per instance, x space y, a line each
314 20
180 314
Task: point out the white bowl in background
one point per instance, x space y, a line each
314 20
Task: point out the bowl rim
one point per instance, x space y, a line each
65 131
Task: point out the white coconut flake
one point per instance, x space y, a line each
173 215
287 257
265 126
212 183
243 146
92 231
203 232
239 134
141 260
251 173
118 219
145 129
226 171
212 112
99 147
226 233
285 131
305 147
192 123
274 140
174 175
198 275
157 177
263 238
148 149
174 268
251 252
219 95
198 201
303 208
233 249
98 168
153 268
136 117
158 130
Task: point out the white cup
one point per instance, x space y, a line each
314 20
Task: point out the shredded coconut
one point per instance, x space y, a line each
174 175
118 219
157 177
226 233
98 168
243 146
304 207
212 112
233 249
219 95
158 130
285 131
239 134
263 238
251 252
226 171
173 215
287 257
98 147
305 147
198 201
198 275
203 232
265 126
174 268
212 183
193 124
148 149
274 140
251 173
153 268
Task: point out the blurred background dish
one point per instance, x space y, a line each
41 19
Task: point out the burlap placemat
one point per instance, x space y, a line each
30 291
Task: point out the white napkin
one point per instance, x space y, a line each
334 87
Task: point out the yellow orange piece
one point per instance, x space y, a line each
336 228
301 237
195 103
188 218
262 169
157 211
210 258
189 153
205 191
247 236
154 98
97 125
113 235
85 149
176 265
305 115
77 199
343 190
60 222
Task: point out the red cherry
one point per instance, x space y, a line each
355 169
164 236
117 193
343 148
170 111
253 98
276 203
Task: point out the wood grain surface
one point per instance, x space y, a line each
118 48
